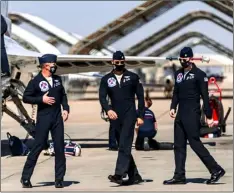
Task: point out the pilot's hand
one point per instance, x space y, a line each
65 115
172 113
112 115
48 100
140 121
210 122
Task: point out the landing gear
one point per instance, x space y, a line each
216 106
168 90
167 94
14 92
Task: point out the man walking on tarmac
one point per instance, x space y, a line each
190 84
46 90
121 86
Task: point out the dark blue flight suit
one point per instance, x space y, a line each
4 61
147 130
49 118
112 138
122 98
186 94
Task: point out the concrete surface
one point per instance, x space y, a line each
89 172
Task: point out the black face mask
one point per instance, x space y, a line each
184 63
119 67
53 69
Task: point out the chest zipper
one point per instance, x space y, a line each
186 75
120 82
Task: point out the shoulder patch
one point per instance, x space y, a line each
111 82
179 78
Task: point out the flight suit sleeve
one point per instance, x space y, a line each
140 97
65 105
174 101
203 85
29 94
103 96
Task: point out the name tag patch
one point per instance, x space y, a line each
191 76
57 84
126 78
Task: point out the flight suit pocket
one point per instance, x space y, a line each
127 83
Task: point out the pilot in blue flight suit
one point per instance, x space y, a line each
147 132
121 86
191 84
46 90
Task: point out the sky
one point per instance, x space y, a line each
85 17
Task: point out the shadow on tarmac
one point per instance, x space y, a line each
199 181
126 184
66 183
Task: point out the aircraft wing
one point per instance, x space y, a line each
68 64
27 61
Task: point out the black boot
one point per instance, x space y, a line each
136 179
175 181
216 176
59 184
113 148
26 183
116 179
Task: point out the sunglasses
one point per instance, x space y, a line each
119 61
184 59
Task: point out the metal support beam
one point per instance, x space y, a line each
204 40
115 30
133 20
225 6
176 26
124 25
197 43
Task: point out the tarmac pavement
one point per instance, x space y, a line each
89 172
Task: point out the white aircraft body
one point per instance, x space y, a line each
24 63
74 82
